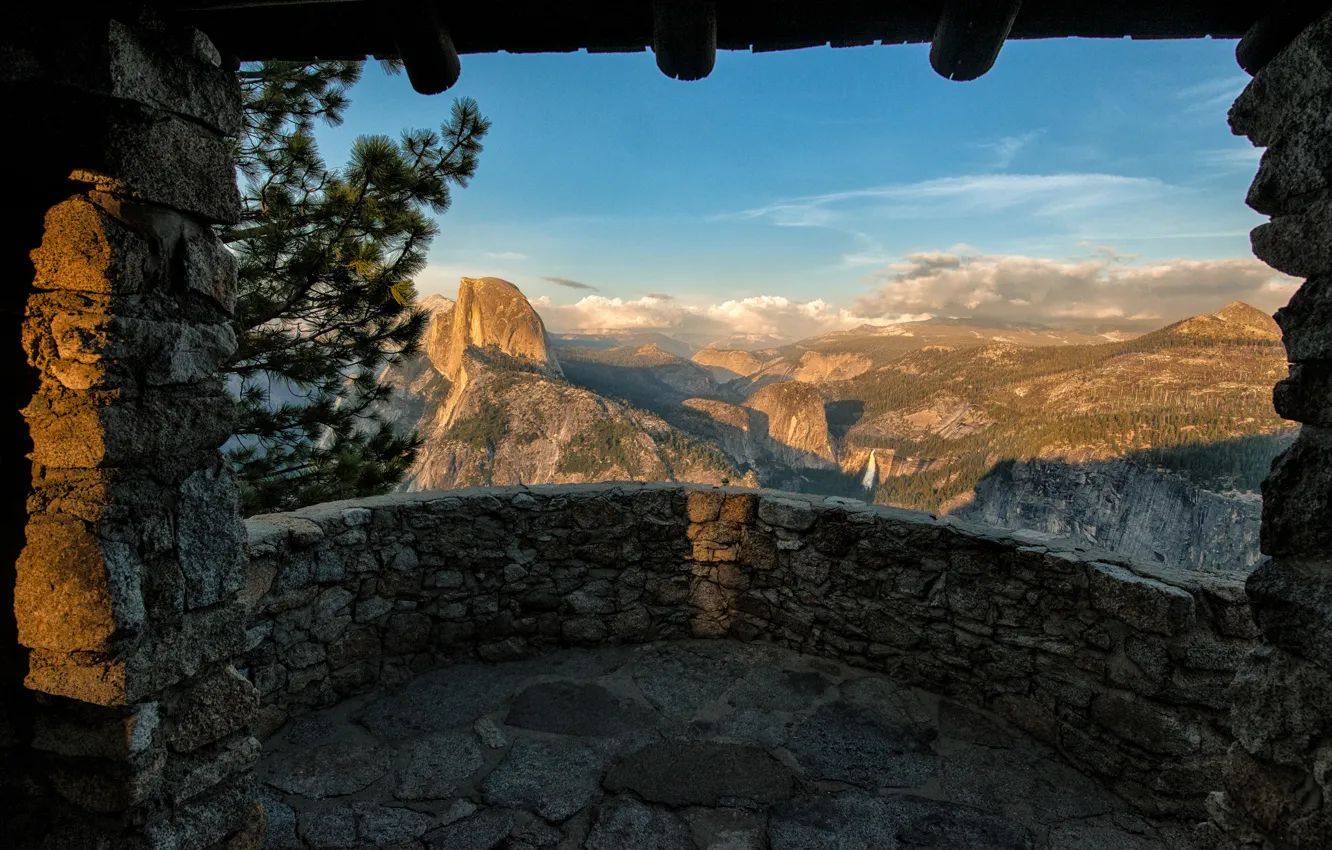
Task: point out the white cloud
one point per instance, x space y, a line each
506 255
1007 149
760 315
1211 95
1102 290
1238 158
1041 195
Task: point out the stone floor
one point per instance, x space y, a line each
676 746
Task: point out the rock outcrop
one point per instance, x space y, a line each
489 399
795 422
1125 507
494 312
816 366
727 364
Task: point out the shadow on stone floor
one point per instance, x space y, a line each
713 745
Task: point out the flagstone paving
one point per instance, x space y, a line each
695 745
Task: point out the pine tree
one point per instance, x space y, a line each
325 300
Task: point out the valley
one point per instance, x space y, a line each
933 415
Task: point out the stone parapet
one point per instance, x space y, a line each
1122 666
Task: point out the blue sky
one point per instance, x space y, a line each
1080 181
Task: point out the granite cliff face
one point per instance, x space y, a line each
1125 507
795 422
727 364
489 399
494 312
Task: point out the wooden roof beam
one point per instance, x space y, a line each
1271 33
424 45
970 35
684 37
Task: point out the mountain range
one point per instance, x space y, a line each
915 415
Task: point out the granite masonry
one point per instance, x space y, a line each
144 648
1121 667
131 728
1278 776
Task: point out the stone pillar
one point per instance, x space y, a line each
1278 774
132 729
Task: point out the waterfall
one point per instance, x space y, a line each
871 473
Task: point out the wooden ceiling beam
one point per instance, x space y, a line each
684 37
424 45
1271 33
970 35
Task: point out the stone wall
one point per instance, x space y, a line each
1123 667
130 728
1278 776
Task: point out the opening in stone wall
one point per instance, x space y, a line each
1029 300
1042 659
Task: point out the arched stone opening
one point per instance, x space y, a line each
132 727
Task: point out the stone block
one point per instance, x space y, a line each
304 654
834 535
1292 603
1230 611
190 775
143 153
209 536
1296 168
1146 725
100 682
1141 602
104 787
212 709
203 637
168 433
1297 496
705 505
1306 321
407 631
1282 706
1301 72
75 591
1298 244
631 625
1271 795
595 597
128 350
786 513
584 629
85 249
597 513
78 730
175 71
739 508
361 643
206 820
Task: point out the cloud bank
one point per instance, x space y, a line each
764 316
1103 291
